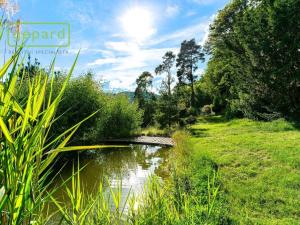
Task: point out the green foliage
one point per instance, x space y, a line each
145 98
185 198
165 67
187 63
116 115
105 208
25 151
82 97
30 69
122 117
254 68
167 111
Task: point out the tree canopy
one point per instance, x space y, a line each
255 58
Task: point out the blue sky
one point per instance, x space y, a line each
119 39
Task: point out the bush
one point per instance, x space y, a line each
83 97
122 117
116 116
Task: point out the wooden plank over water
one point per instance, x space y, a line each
145 140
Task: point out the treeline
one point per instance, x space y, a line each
177 103
253 69
116 115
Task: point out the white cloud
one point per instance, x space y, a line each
123 58
196 31
172 10
103 61
122 46
125 69
140 58
124 80
129 58
86 47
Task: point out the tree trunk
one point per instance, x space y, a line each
193 94
169 83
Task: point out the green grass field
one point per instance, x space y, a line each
258 166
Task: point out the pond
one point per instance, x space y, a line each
129 167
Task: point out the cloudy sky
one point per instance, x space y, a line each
119 39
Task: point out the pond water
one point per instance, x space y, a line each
130 167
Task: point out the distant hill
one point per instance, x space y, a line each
129 94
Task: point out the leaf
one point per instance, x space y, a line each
78 148
5 130
2 192
27 111
4 69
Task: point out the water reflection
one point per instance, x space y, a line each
131 165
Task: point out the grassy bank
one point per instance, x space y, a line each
258 165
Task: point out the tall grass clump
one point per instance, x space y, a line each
25 150
104 207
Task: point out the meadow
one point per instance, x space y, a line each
258 166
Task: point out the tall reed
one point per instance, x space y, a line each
25 150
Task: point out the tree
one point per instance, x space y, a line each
256 58
167 110
165 67
145 98
166 103
187 63
144 82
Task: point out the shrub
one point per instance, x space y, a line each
83 97
122 117
116 115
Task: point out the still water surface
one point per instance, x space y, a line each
130 167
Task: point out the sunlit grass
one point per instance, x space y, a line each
259 167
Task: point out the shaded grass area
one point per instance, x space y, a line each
258 165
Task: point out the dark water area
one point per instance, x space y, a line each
129 167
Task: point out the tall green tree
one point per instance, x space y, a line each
256 59
166 101
187 63
167 108
145 98
165 67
